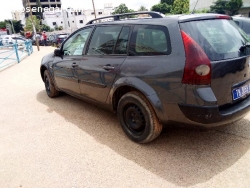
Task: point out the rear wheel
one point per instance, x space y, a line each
137 118
49 86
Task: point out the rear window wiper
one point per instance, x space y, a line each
247 44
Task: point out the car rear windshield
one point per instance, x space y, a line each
62 36
219 38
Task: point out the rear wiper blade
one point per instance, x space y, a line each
247 44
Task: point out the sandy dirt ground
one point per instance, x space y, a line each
68 143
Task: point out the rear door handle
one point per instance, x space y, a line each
74 65
108 67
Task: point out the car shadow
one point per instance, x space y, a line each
181 156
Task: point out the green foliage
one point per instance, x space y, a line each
142 8
180 7
219 7
233 6
200 11
16 24
226 7
45 28
36 22
60 28
2 25
172 7
169 2
121 9
163 8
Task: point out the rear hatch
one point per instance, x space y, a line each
227 48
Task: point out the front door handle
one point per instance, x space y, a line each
74 65
108 67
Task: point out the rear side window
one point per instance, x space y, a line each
150 40
103 40
246 27
220 39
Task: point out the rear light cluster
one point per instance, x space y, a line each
197 69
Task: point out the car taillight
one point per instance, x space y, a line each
197 69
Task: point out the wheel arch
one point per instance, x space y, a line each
125 85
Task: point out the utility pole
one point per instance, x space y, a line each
34 28
94 8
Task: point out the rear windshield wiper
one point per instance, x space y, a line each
247 44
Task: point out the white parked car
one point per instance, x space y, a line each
10 39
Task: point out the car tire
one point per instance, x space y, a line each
49 85
138 118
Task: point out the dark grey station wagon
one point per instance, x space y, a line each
191 69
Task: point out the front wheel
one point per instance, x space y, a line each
49 86
137 118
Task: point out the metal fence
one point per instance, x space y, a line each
14 53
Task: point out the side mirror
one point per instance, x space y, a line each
57 52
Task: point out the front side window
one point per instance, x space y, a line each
75 44
150 40
103 40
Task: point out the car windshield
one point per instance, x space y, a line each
220 38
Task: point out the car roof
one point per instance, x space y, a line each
157 20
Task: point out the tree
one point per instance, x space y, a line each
219 7
163 8
226 7
180 7
2 25
45 28
169 2
142 8
18 26
233 6
29 26
121 9
200 11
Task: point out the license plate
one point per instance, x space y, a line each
241 92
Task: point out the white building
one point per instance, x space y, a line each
90 15
18 15
71 19
205 4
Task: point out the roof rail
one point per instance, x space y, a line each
118 16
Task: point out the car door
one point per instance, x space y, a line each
106 52
64 67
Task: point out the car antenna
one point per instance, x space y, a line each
195 7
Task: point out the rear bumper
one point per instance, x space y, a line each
214 116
